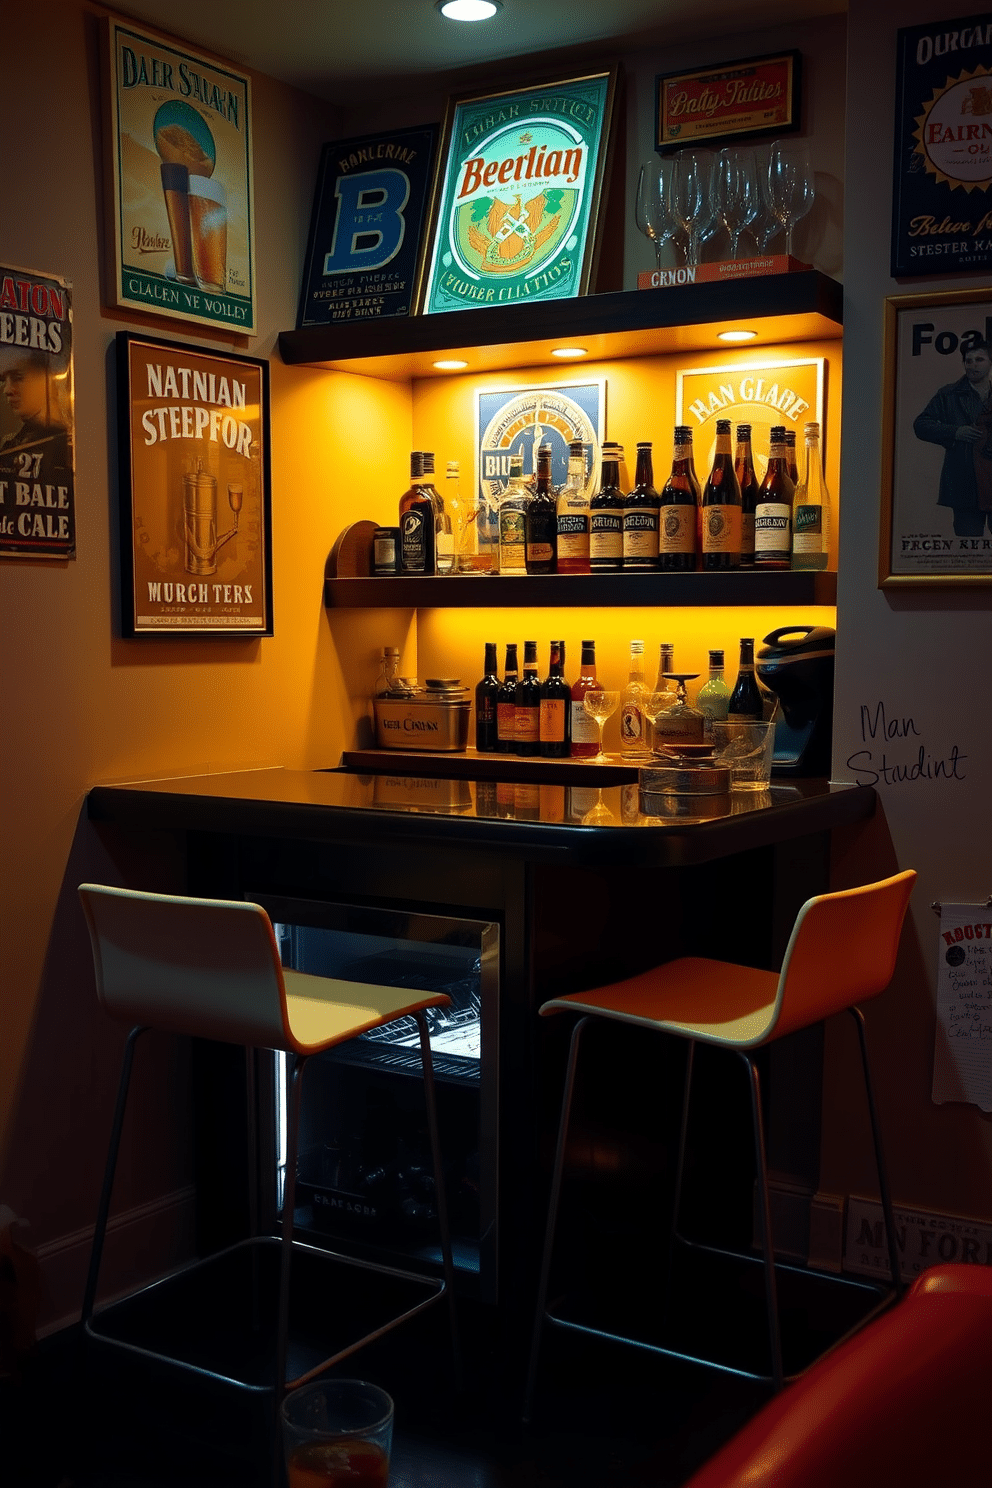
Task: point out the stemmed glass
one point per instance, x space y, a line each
600 814
790 184
601 705
690 197
735 193
653 212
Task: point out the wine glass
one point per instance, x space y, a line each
599 815
653 212
601 705
735 193
690 198
790 184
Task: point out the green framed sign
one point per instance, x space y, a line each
516 215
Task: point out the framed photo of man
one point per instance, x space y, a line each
936 527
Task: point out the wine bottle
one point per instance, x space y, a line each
721 507
773 513
506 704
585 733
748 482
678 510
640 518
541 520
745 700
573 514
556 707
527 700
606 511
811 513
486 693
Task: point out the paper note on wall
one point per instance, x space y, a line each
962 1062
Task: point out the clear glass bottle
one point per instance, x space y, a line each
573 514
513 520
606 511
713 698
634 743
773 513
541 520
748 482
677 518
811 510
444 537
745 700
389 667
640 518
721 507
463 526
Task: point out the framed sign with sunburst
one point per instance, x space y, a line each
516 214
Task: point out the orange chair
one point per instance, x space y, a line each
842 951
904 1400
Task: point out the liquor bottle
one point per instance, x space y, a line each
444 537
388 669
713 698
585 733
527 699
748 482
506 704
745 700
573 514
773 514
606 511
721 507
679 504
664 688
417 522
541 520
463 525
811 513
486 693
790 455
556 707
513 521
640 519
633 720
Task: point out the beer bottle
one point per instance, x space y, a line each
606 511
677 515
748 482
556 707
640 517
773 513
721 507
573 514
506 704
541 520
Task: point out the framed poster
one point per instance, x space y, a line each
516 421
942 188
181 230
37 479
516 214
196 523
716 106
936 527
762 394
366 246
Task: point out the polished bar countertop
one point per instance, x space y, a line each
581 824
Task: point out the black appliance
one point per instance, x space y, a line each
796 662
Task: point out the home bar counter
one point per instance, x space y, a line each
584 888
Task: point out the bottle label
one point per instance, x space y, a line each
721 529
512 540
606 535
413 542
677 530
772 530
631 726
540 552
640 533
807 529
552 724
384 553
585 730
506 722
528 722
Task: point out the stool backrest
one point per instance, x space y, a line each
205 967
842 951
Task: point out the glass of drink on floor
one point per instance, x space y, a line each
337 1433
600 705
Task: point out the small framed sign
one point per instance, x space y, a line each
718 105
366 245
196 538
516 214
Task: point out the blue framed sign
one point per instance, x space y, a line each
942 193
366 233
517 421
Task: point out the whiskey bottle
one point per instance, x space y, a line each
513 521
721 507
416 522
527 700
573 514
745 700
444 537
585 732
606 511
556 707
633 699
811 519
748 482
773 513
506 704
486 693
677 515
541 520
640 518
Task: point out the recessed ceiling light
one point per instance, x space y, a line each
469 10
736 335
567 352
450 366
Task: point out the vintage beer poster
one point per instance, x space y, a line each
720 105
195 513
761 394
518 205
367 230
517 421
37 484
181 230
942 191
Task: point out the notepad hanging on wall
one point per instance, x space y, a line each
962 1061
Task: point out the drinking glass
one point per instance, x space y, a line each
735 193
337 1432
790 184
598 815
690 198
653 212
601 705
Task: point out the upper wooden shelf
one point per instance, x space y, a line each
803 306
562 591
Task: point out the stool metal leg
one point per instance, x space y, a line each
876 1135
439 1188
765 1220
294 1084
680 1162
103 1212
549 1236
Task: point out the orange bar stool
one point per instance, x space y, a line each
210 968
842 951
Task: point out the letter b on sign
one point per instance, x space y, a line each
370 223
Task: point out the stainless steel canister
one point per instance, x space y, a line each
433 717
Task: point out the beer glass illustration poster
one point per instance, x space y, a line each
195 511
942 196
367 229
937 442
182 230
517 210
37 484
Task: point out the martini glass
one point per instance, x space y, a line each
601 705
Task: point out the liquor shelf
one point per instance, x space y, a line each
802 306
475 591
509 769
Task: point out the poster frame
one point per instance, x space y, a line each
666 140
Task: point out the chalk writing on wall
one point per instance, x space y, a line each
896 751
